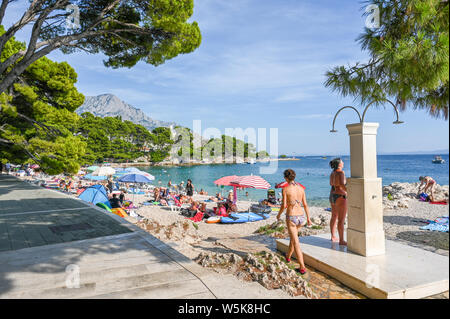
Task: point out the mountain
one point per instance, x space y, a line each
110 105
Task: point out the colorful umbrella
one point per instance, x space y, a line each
104 171
251 181
225 181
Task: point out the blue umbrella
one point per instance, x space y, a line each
95 178
134 178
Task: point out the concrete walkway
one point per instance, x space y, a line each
54 246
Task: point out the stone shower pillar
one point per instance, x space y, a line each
365 233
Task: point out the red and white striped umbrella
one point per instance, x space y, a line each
225 181
251 181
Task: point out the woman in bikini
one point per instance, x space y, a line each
293 199
338 200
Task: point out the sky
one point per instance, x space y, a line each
261 64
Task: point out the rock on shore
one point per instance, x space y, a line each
266 268
402 193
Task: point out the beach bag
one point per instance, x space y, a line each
424 197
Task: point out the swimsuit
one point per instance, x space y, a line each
298 220
334 197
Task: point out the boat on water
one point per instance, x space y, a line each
438 160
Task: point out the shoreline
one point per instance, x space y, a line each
171 164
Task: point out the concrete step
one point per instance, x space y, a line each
78 252
113 286
97 272
162 291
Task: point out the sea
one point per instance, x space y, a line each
312 171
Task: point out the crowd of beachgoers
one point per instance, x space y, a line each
180 214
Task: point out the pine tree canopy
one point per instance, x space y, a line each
409 58
125 31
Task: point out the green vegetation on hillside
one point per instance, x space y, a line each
112 139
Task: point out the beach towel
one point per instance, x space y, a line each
439 203
177 202
439 224
198 217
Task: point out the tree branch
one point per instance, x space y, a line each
3 7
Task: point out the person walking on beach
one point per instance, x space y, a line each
338 200
110 185
122 196
189 188
293 198
429 185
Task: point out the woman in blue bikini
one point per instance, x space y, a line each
293 199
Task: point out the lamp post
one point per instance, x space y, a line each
365 234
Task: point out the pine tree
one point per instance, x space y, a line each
409 58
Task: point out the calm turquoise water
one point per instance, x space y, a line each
312 171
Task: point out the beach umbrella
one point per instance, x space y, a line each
250 181
95 178
148 175
104 171
34 166
134 178
225 181
92 168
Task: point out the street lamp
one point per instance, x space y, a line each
365 233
